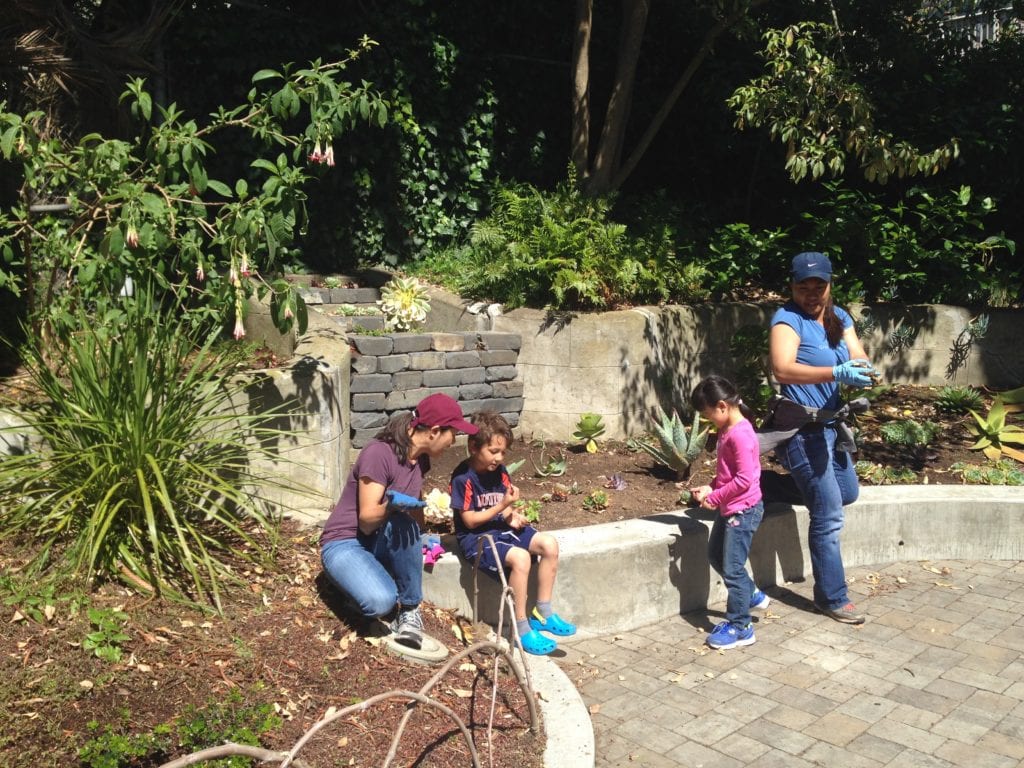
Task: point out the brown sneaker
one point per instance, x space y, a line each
845 615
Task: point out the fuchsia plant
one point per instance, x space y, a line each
94 213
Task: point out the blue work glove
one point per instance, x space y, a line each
401 500
853 373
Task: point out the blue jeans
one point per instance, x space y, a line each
728 548
381 569
828 482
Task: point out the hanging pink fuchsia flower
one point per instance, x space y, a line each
131 237
329 156
233 276
239 328
288 315
200 274
244 269
317 154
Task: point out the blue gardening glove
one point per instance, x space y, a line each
401 500
852 374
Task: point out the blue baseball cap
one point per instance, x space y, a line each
811 264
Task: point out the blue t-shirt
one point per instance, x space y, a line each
813 350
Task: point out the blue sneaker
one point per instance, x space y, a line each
759 600
726 636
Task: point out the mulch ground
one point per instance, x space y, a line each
284 643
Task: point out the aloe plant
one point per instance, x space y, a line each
994 433
677 446
588 429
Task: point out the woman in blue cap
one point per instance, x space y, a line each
814 348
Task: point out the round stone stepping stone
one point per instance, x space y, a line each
430 652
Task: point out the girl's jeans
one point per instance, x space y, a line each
728 548
828 482
378 570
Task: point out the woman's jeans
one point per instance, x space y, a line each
728 548
378 570
828 482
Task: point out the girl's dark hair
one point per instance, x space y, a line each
490 425
714 388
833 325
396 434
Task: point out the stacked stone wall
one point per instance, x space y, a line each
392 373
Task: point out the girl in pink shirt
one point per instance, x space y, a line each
736 494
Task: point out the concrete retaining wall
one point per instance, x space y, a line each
624 364
619 576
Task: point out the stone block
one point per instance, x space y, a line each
406 399
448 342
353 295
507 389
501 373
407 380
474 391
372 345
472 375
462 359
369 402
411 342
425 361
364 364
494 340
315 295
445 378
371 382
392 363
498 404
368 420
499 357
360 437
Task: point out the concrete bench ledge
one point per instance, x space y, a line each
619 576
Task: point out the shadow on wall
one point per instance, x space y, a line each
683 345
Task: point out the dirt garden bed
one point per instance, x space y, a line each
285 650
650 488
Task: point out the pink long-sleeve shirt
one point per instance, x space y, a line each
737 483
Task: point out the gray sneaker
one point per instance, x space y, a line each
408 628
847 614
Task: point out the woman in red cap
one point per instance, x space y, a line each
370 547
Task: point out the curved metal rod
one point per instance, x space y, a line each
328 719
479 646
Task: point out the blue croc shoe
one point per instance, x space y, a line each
553 624
536 644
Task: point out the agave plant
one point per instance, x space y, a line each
994 435
677 447
958 399
404 304
588 429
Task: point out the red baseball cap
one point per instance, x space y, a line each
440 410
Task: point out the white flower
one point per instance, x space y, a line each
439 507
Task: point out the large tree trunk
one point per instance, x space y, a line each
613 130
608 171
581 89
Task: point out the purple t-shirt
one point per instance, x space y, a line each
737 483
378 462
813 350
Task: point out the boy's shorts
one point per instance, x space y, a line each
504 541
